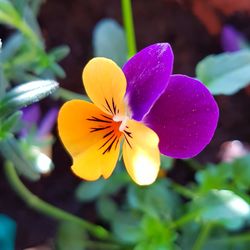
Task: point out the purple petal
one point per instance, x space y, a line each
147 75
184 117
47 123
232 40
31 116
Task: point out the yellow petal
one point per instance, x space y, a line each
74 128
92 163
140 153
90 137
105 85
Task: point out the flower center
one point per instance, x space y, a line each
110 128
122 120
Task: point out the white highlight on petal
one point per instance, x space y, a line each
144 168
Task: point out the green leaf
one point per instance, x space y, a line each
241 173
70 236
88 191
109 41
57 70
59 53
26 94
31 21
214 177
35 6
223 207
225 175
225 73
8 125
3 82
156 200
19 5
106 208
8 13
189 234
156 235
11 46
126 227
11 150
217 243
10 16
116 182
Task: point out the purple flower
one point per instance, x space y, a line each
32 117
180 109
232 40
47 123
145 107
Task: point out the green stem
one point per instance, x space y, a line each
185 192
184 219
101 245
68 95
233 239
28 32
202 237
45 208
18 23
129 26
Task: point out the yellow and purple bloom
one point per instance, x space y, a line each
144 107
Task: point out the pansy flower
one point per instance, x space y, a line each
141 108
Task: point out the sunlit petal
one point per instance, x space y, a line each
140 153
